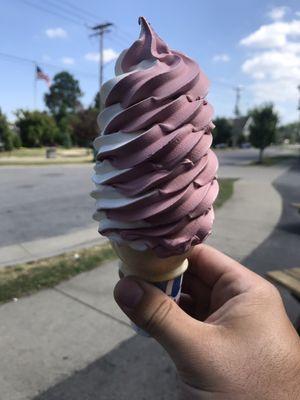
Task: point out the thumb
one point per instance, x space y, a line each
159 315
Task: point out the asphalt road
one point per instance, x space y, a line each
39 202
45 201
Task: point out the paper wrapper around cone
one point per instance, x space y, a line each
148 266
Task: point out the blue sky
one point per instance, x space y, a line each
250 43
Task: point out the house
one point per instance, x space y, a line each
240 127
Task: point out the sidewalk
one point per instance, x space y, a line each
48 247
251 214
72 342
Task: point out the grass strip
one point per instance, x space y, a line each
43 162
269 161
24 279
225 192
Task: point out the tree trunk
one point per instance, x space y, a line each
260 157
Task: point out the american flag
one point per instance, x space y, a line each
41 75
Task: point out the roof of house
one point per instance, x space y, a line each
239 123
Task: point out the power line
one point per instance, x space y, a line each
118 41
126 34
67 10
46 10
18 59
73 6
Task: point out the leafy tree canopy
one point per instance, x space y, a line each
36 128
9 138
64 95
263 127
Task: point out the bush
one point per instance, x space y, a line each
8 140
64 139
36 128
85 127
17 142
6 135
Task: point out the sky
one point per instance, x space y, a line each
253 44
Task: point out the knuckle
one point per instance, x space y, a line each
270 292
155 324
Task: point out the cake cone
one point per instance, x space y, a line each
147 265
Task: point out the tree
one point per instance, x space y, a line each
263 128
7 136
64 132
96 103
222 132
64 95
36 128
85 127
289 131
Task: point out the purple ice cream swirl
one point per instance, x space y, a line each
155 173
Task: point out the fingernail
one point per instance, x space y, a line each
128 293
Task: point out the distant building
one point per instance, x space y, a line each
240 127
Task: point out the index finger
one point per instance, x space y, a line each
210 265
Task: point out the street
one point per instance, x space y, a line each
40 202
46 201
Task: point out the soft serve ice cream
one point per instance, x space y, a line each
155 173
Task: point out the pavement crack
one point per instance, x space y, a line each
92 307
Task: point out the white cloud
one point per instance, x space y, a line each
68 60
276 34
108 55
275 64
278 13
221 57
53 33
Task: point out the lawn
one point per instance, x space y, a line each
37 156
24 279
281 158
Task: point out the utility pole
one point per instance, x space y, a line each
100 30
238 90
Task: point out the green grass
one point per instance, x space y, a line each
37 156
269 161
24 279
24 152
44 162
226 191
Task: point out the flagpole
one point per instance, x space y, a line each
35 85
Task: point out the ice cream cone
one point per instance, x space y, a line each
148 266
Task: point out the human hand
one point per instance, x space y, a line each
231 339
